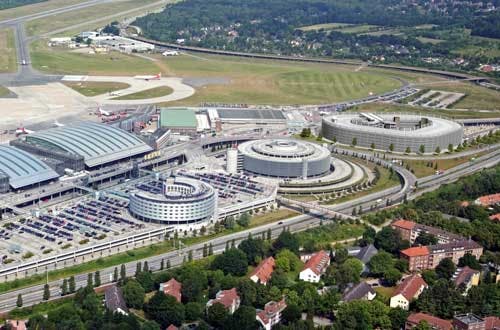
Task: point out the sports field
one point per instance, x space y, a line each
8 57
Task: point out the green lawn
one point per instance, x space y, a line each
94 88
147 94
8 56
330 233
326 26
35 8
61 61
421 169
4 91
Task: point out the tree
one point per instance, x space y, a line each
392 276
380 262
362 314
138 268
421 149
450 147
233 262
244 319
426 239
348 272
305 133
46 292
193 311
64 287
205 251
194 281
389 239
115 275
162 264
244 220
470 261
391 147
145 267
217 315
165 310
291 314
168 264
286 240
354 142
19 302
368 236
72 284
445 269
253 248
190 255
398 318
423 325
150 325
97 279
269 234
133 293
123 273
372 146
90 282
145 279
229 222
341 255
210 249
287 261
438 150
408 150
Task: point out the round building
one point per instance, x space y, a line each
284 158
396 132
176 201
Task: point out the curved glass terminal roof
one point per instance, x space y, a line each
22 168
97 143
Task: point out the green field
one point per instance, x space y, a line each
4 91
325 26
53 60
35 8
55 22
8 56
147 94
94 88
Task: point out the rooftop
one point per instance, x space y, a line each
469 319
410 286
463 275
405 224
178 118
489 199
359 291
172 288
114 299
22 168
434 322
264 270
270 310
318 262
416 251
225 297
456 245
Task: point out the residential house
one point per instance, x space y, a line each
172 288
488 200
271 315
473 322
315 266
114 300
360 291
466 277
263 272
228 298
434 322
363 254
495 217
428 257
409 289
172 327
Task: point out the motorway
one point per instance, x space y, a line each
33 295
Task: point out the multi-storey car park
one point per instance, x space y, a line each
395 132
284 158
174 201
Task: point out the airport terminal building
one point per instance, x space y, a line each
402 131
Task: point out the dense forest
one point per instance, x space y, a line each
277 27
5 4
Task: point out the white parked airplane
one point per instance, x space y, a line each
22 131
116 93
104 113
148 78
58 124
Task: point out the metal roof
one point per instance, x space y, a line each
22 168
97 143
178 118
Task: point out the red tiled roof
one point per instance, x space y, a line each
489 199
264 270
495 217
172 327
410 286
405 224
464 203
173 288
492 322
464 275
416 251
434 322
227 297
318 262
